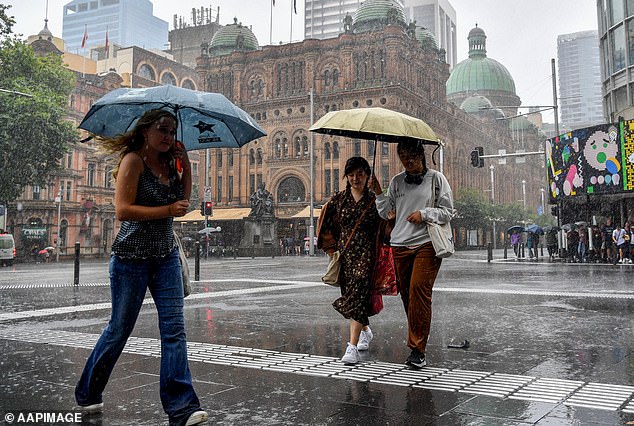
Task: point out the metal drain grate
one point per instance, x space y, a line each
572 393
547 390
601 396
499 385
453 380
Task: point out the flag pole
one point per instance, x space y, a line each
271 24
291 37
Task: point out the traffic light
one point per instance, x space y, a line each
476 157
208 208
202 208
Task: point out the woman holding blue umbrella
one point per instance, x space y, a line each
149 193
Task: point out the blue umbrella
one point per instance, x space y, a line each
206 120
518 228
535 229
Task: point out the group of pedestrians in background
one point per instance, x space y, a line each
606 243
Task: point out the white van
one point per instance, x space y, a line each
7 249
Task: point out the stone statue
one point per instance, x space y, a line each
347 24
261 203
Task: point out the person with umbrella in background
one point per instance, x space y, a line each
417 195
516 238
149 193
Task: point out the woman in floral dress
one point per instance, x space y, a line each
336 224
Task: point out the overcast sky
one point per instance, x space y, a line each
521 34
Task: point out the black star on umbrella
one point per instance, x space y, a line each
204 127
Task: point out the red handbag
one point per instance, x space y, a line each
384 273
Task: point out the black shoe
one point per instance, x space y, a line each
416 360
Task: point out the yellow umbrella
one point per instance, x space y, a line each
378 124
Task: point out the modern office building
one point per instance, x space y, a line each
616 44
325 19
579 79
127 23
439 17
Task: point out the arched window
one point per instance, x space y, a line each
305 146
218 158
298 148
147 72
327 78
335 77
108 178
230 158
285 147
252 157
357 148
291 190
259 156
188 84
278 148
335 150
168 78
327 151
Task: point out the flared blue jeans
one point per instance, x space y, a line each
129 280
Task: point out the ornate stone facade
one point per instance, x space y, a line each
384 68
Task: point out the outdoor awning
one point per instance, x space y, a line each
218 214
305 213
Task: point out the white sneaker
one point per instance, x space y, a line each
352 355
197 417
365 338
90 409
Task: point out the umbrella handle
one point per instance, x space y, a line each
178 163
374 156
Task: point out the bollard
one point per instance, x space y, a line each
489 252
505 252
197 261
76 275
273 252
252 252
235 252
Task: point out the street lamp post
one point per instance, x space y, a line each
492 168
524 193
58 200
311 229
541 191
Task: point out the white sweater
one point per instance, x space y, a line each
405 198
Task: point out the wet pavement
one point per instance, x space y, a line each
550 344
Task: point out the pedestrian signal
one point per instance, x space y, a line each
208 208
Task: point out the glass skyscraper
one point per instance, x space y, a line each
580 79
128 23
616 41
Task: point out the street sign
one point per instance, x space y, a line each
207 194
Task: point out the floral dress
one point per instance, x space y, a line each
358 259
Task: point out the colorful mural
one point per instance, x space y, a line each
593 160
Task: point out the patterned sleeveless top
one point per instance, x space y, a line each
149 238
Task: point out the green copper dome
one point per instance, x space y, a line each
231 38
426 38
374 14
479 72
478 104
